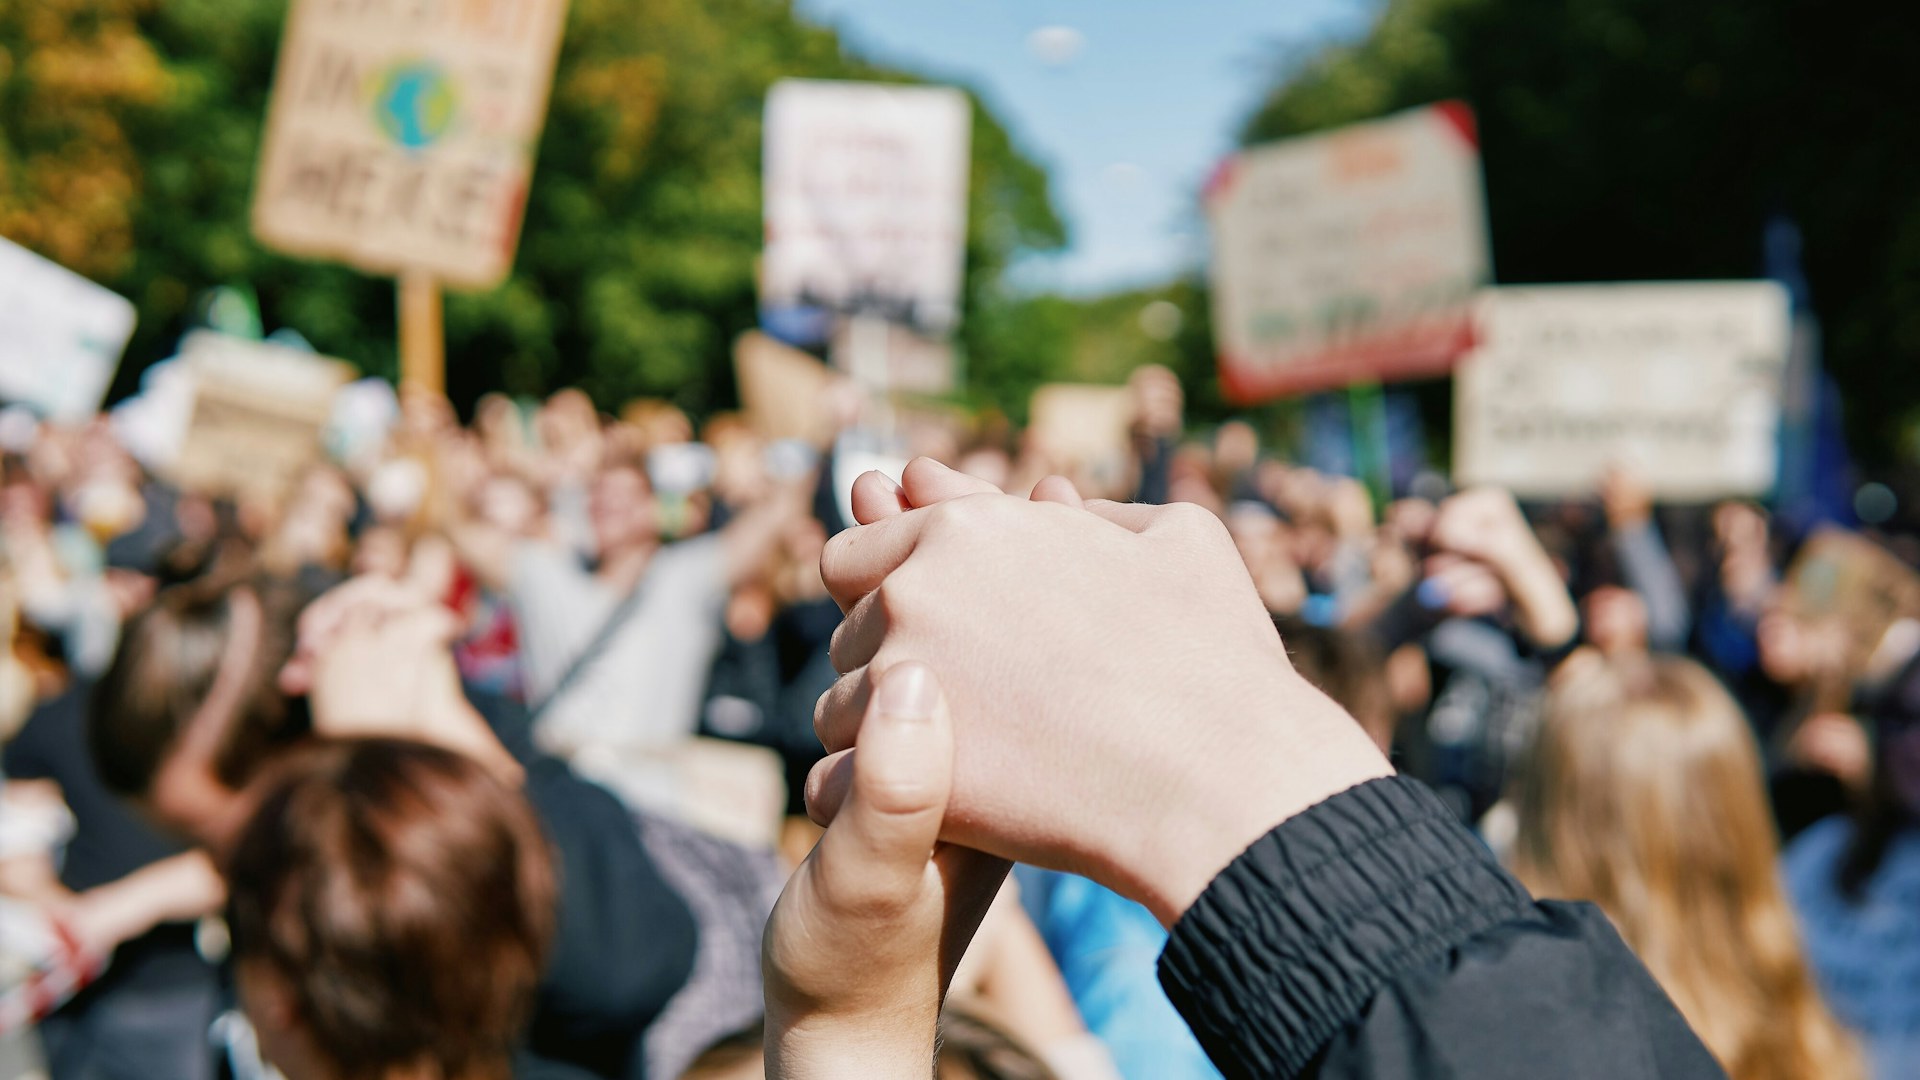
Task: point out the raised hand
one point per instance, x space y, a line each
864 941
1122 705
1485 525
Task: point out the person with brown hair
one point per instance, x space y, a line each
373 660
211 649
391 906
1643 794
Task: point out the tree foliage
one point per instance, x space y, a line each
1647 139
131 129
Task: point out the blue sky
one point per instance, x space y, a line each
1127 102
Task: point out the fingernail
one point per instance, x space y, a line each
908 692
884 479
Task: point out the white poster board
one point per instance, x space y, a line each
400 136
866 199
1348 256
60 336
1678 382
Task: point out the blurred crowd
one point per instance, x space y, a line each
534 696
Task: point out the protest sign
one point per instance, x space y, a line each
1350 256
1085 433
1678 382
257 416
400 136
60 336
1845 585
866 200
902 361
782 389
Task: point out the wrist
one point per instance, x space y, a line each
1542 608
1287 764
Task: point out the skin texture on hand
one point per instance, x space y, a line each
1123 707
866 936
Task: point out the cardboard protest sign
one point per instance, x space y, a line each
1085 432
1350 256
60 336
1678 382
782 389
401 135
866 200
1845 584
257 417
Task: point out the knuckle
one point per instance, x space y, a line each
892 600
833 556
1196 522
824 709
877 898
841 642
899 793
966 512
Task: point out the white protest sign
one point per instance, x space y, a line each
866 199
257 416
401 133
1679 382
1348 256
60 335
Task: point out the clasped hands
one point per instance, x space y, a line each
1083 685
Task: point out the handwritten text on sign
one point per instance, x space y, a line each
1679 382
401 133
1349 256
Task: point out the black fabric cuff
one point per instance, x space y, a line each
1291 941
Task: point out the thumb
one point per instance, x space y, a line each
877 848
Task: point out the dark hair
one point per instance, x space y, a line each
404 896
164 669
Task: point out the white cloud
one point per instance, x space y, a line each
1056 46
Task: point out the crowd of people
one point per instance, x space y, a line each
526 747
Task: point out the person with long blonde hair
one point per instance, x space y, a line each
1643 794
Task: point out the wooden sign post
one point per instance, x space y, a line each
400 140
423 341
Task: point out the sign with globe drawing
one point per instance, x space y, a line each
401 133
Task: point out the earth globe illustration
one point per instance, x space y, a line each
414 104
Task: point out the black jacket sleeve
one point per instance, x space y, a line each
1374 936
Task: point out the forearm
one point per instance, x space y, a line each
482 549
1542 608
176 889
1648 568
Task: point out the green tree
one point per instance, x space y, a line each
1646 139
635 268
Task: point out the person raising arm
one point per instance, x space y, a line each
1124 709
